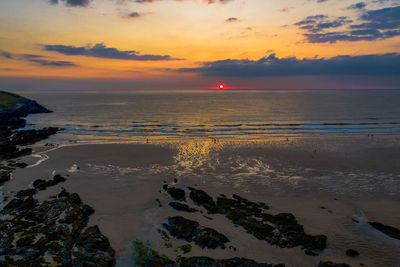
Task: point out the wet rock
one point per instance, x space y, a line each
40 184
211 239
63 193
4 176
53 228
25 137
388 230
206 261
93 249
281 230
158 261
189 231
26 193
181 207
331 264
176 193
18 164
201 198
352 253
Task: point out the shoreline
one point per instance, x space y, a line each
122 181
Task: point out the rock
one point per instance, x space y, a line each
63 193
4 176
26 137
49 233
181 207
158 261
388 230
331 264
352 253
25 193
211 239
176 193
18 164
201 198
93 249
189 231
206 261
282 229
40 184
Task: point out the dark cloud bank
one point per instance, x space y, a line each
101 51
387 64
371 25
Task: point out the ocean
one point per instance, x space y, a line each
123 116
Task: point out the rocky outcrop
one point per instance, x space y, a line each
51 233
282 229
11 119
22 109
145 256
27 137
189 230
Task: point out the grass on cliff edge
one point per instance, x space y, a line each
9 100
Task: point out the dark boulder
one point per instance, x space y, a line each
352 253
176 193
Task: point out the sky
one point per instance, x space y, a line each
197 44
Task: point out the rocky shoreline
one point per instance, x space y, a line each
49 233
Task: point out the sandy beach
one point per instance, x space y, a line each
333 186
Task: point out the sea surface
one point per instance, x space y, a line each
123 116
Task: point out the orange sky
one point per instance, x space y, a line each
190 32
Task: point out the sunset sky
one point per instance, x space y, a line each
193 44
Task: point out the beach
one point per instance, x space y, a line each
332 185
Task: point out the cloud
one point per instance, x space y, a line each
5 54
371 25
101 51
231 19
359 5
37 59
72 3
319 23
205 1
386 64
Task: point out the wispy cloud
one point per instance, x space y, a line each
37 59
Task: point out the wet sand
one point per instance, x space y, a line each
324 183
